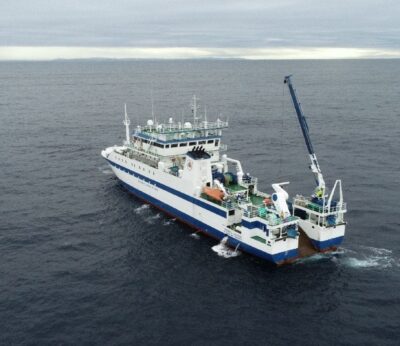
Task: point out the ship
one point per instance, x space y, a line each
181 168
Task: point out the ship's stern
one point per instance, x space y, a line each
323 238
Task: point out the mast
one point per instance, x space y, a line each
127 122
152 107
195 107
304 128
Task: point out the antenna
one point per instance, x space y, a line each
195 107
126 122
205 116
152 106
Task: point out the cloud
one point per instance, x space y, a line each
264 28
52 53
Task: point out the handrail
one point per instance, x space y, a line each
169 128
307 203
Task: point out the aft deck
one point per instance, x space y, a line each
258 201
255 200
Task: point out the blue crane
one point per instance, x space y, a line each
320 190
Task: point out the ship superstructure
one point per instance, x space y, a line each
180 167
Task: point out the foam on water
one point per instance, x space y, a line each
369 257
106 170
195 235
155 217
142 208
151 220
168 222
225 251
365 257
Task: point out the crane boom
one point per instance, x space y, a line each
304 128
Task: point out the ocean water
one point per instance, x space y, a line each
85 262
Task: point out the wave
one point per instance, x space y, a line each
155 217
224 251
364 258
151 220
168 222
370 257
142 208
105 170
195 235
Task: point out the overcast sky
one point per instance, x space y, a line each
185 28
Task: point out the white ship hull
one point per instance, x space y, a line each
323 238
172 195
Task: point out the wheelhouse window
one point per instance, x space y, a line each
216 142
174 145
210 141
183 144
192 143
202 142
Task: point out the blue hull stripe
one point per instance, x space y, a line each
326 244
277 258
170 190
254 224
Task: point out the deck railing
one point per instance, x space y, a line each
248 180
267 215
169 128
142 156
307 203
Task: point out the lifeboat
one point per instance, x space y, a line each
214 193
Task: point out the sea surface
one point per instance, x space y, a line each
83 262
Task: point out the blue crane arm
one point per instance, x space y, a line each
304 128
300 115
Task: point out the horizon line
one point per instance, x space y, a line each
45 53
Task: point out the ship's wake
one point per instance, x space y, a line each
364 258
369 257
225 251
